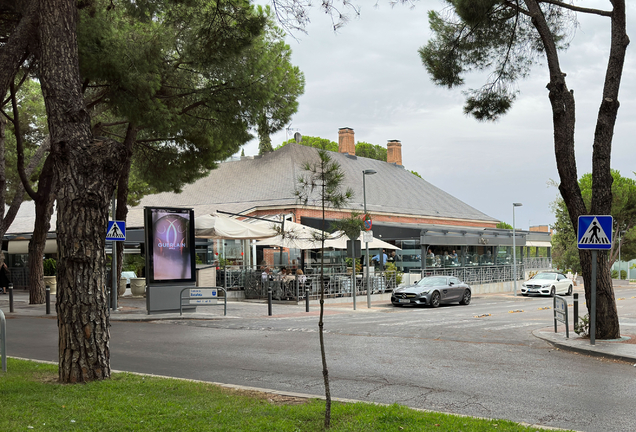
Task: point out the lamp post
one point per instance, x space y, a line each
620 234
365 173
514 246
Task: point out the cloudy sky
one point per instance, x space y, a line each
368 76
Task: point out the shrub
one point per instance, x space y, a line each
50 267
583 328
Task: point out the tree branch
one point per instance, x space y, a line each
577 8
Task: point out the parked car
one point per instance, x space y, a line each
433 291
547 283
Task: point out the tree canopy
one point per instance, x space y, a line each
505 39
564 241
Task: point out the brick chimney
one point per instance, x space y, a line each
394 152
346 141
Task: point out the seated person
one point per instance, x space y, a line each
376 259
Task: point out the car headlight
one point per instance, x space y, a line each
424 292
545 285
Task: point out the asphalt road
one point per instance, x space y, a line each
478 360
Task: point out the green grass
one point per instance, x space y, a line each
32 398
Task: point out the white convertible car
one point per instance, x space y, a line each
547 283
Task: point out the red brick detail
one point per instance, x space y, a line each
300 212
394 152
346 141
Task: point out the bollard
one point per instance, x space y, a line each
11 297
307 300
269 302
48 300
576 310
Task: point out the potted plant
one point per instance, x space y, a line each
136 263
50 274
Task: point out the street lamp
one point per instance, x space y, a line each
365 173
620 234
514 246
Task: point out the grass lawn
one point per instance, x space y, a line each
32 399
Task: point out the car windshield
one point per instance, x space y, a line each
432 282
545 276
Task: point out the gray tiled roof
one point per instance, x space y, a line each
270 180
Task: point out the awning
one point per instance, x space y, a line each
538 243
375 244
217 226
297 236
22 247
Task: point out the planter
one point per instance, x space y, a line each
121 289
51 281
138 286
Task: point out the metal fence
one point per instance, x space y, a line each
488 274
334 285
478 275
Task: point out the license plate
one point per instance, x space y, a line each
404 301
532 291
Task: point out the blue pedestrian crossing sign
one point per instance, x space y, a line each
595 232
116 231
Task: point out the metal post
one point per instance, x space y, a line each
593 298
48 300
3 340
619 256
514 247
11 297
269 302
554 308
353 281
576 310
364 194
306 299
115 276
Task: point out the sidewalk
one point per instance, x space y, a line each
134 309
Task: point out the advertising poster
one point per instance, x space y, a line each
171 239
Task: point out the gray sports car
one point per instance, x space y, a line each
433 291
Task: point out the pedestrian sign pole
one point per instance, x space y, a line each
594 233
115 231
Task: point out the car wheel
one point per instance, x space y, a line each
552 291
435 299
465 298
569 291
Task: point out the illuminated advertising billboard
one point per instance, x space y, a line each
170 254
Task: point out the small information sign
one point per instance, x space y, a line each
203 296
561 314
367 236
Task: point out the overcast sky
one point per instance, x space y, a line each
368 76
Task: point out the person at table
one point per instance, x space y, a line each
382 256
430 257
301 277
286 276
453 256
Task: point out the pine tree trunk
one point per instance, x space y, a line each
44 201
563 117
86 170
